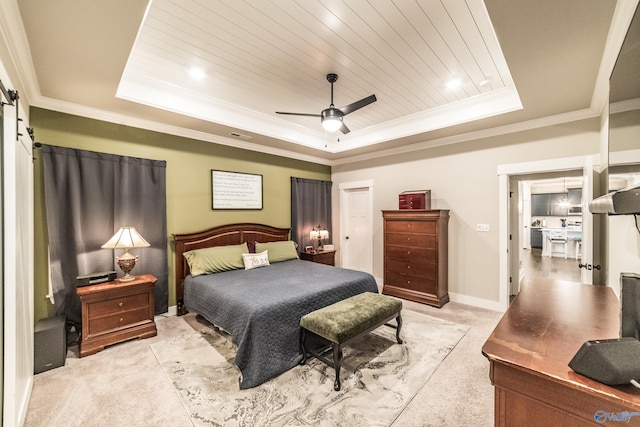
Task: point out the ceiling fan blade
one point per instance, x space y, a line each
358 104
299 114
344 129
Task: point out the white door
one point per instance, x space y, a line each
356 244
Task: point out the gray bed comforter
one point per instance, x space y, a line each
261 309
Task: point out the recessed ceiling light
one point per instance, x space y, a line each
453 84
197 73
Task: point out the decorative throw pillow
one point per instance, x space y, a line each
279 251
216 259
255 260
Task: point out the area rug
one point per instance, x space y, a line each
379 378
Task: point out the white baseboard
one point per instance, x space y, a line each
476 302
172 310
463 299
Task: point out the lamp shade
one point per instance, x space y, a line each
324 234
331 119
331 124
126 237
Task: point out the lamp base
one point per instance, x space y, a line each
126 263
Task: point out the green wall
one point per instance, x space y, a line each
189 164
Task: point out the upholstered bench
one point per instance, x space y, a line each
346 320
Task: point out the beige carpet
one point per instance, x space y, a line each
377 374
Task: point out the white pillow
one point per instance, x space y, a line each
255 260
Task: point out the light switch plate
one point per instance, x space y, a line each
482 227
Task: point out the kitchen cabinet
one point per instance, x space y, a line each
555 207
536 237
575 196
548 204
540 205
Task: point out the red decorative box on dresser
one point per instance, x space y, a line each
417 199
116 311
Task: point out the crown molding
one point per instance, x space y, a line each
471 136
622 17
17 44
111 117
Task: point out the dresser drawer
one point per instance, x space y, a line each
427 241
428 227
118 321
419 284
411 268
116 305
408 254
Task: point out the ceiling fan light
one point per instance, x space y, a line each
331 124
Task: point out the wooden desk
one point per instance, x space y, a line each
530 349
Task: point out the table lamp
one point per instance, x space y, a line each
320 234
126 238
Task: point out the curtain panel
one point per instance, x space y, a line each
88 197
310 207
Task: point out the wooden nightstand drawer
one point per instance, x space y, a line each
117 305
120 320
116 311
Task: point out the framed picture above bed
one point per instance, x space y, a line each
234 190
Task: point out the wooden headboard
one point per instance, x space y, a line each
230 234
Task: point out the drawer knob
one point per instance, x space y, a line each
408 267
120 304
121 319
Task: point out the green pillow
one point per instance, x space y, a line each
216 259
279 251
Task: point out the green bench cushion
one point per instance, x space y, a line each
348 318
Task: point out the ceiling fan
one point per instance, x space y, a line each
331 118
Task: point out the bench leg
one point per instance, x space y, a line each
304 351
399 321
337 361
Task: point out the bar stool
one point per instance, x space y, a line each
558 238
578 248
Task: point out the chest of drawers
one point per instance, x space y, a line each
416 255
116 311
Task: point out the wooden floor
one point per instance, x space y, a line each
533 265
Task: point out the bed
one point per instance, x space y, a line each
260 307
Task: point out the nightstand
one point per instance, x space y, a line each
116 311
321 257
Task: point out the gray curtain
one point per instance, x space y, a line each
310 207
88 197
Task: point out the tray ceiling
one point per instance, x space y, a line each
219 70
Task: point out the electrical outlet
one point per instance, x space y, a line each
482 227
